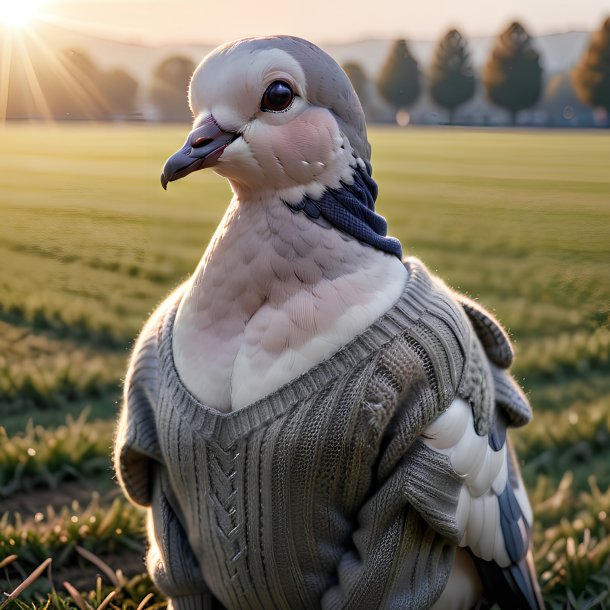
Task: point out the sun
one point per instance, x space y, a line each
17 13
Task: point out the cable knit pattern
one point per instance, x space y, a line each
313 496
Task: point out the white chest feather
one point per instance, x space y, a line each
274 295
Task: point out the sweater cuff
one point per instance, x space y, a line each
198 601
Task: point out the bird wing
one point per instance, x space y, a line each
493 513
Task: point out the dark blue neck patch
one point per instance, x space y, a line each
351 209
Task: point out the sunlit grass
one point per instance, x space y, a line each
42 456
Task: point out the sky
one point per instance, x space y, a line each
216 21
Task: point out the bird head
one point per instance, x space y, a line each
278 117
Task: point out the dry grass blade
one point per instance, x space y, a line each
95 560
145 601
75 595
107 600
27 582
8 560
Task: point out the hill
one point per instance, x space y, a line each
559 51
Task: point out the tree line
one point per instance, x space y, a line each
66 85
511 78
69 85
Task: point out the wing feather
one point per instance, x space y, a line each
493 513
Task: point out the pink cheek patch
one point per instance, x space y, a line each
305 145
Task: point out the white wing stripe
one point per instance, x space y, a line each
499 482
485 475
446 431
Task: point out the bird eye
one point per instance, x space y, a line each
277 97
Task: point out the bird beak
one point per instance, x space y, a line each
203 147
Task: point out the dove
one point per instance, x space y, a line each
311 420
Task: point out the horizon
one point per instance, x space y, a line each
108 37
318 24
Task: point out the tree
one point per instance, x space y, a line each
399 80
169 88
73 87
357 77
512 76
451 79
120 89
35 83
66 84
591 77
359 81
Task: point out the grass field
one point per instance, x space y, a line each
89 243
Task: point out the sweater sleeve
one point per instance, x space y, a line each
171 562
140 470
493 338
136 446
397 559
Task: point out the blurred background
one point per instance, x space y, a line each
489 126
473 65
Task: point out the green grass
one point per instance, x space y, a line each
47 456
518 220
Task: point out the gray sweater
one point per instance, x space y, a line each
322 494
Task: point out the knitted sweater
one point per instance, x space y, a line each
322 494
